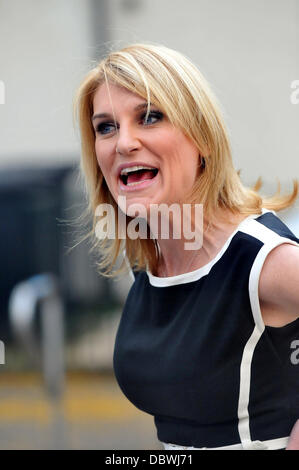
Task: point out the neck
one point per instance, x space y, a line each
175 259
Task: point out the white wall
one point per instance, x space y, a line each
44 52
249 52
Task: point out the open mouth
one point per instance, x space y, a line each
138 176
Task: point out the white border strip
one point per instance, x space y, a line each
272 444
273 240
255 276
197 274
245 377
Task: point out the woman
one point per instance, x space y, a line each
208 336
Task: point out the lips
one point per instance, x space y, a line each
135 177
135 182
131 163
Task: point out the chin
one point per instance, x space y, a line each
138 208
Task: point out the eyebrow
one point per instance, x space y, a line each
107 115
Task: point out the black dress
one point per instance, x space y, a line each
192 350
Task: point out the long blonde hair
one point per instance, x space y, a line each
170 81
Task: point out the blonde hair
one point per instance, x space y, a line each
170 81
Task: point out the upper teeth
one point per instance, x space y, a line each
125 171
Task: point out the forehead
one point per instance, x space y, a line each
114 96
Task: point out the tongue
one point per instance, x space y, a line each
141 175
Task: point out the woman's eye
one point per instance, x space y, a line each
153 117
105 128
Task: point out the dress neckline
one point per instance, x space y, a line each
197 274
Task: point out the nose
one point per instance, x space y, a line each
127 141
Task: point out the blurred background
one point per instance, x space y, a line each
58 317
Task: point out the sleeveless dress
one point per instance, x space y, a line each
192 350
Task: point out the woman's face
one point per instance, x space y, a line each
134 142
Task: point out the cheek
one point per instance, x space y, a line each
183 155
102 158
98 153
105 162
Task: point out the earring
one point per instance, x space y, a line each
203 163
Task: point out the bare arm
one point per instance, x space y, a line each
293 442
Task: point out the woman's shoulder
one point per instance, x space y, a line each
268 228
278 285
